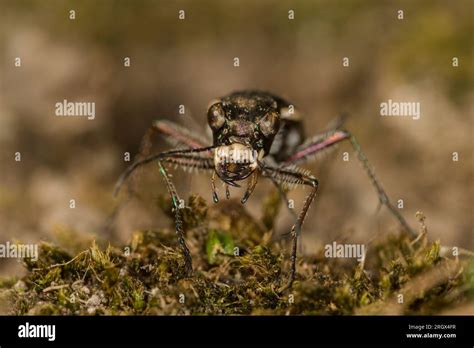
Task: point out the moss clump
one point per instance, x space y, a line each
235 273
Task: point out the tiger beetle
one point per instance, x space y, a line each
254 134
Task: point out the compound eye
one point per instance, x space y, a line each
269 124
216 116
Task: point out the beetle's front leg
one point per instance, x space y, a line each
296 176
188 261
190 161
284 197
191 158
184 158
173 133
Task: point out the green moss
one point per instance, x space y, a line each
218 243
235 274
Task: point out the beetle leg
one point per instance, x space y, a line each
299 177
173 133
188 262
182 157
315 145
326 140
283 196
383 197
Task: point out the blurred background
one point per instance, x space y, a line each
190 62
